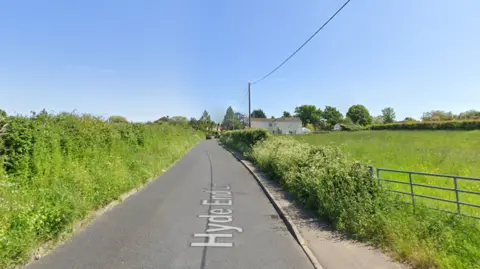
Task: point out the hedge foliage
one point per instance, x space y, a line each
57 168
352 127
324 179
430 125
243 139
329 182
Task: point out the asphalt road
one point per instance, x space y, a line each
207 211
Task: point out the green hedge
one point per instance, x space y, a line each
431 125
329 182
243 139
54 169
326 180
352 127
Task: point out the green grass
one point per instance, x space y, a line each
57 168
441 152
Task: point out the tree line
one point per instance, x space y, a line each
312 117
359 115
325 119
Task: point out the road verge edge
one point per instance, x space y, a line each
91 217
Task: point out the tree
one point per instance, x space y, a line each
163 119
359 115
437 115
205 117
323 125
469 115
229 119
179 120
205 122
378 120
332 115
240 120
388 115
308 114
117 119
347 120
258 113
286 114
272 117
409 119
194 123
3 114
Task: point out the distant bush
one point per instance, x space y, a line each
430 125
243 139
117 119
352 127
310 127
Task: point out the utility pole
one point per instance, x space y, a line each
249 108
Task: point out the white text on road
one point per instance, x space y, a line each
217 219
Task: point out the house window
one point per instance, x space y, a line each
270 124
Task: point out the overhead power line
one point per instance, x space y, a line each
308 40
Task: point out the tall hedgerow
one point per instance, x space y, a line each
57 168
430 125
324 179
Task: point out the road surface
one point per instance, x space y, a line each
207 211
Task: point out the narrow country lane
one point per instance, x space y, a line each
207 211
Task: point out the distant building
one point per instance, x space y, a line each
337 127
290 125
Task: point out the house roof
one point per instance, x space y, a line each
262 119
276 120
288 119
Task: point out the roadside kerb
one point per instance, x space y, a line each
292 228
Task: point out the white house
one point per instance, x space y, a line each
279 126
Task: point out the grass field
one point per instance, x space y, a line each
443 152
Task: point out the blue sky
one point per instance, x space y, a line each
146 59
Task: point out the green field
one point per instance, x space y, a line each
443 152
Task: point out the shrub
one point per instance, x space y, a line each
352 127
243 140
430 125
310 127
323 179
117 119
